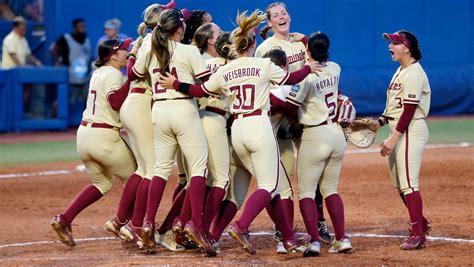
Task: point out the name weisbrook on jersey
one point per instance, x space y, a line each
243 72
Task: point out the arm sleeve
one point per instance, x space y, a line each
298 93
117 97
189 89
139 68
412 89
198 64
305 40
406 117
279 106
299 75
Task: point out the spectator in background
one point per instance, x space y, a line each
193 22
112 31
6 11
16 53
15 49
74 50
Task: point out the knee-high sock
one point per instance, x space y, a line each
140 203
197 192
85 198
127 199
279 217
213 201
336 212
226 213
174 211
288 208
310 217
425 221
319 204
415 210
255 204
155 193
178 189
185 214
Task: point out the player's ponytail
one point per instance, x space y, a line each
104 50
264 32
169 22
223 44
244 37
414 46
202 35
150 18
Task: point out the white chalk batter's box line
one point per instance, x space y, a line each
81 168
262 233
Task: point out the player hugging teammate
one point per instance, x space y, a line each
229 110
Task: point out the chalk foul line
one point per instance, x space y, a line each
261 233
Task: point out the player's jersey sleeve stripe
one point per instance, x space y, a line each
284 78
294 102
138 73
411 101
203 86
203 74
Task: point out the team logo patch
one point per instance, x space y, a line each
411 96
295 88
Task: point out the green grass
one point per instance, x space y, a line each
28 153
442 131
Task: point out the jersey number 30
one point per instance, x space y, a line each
244 96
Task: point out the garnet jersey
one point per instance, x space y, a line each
104 80
246 82
318 96
186 64
295 52
408 86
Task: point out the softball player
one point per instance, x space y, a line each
175 122
279 21
322 147
136 117
99 145
408 104
246 81
213 114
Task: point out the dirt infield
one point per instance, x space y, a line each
372 207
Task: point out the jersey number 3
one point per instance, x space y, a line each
244 97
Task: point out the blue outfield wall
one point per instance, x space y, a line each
445 29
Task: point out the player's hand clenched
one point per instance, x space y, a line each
167 81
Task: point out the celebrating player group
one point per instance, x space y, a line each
225 109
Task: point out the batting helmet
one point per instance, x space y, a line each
318 46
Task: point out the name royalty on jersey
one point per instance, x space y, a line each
328 82
243 72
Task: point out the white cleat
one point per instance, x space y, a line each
281 249
313 249
342 246
167 240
